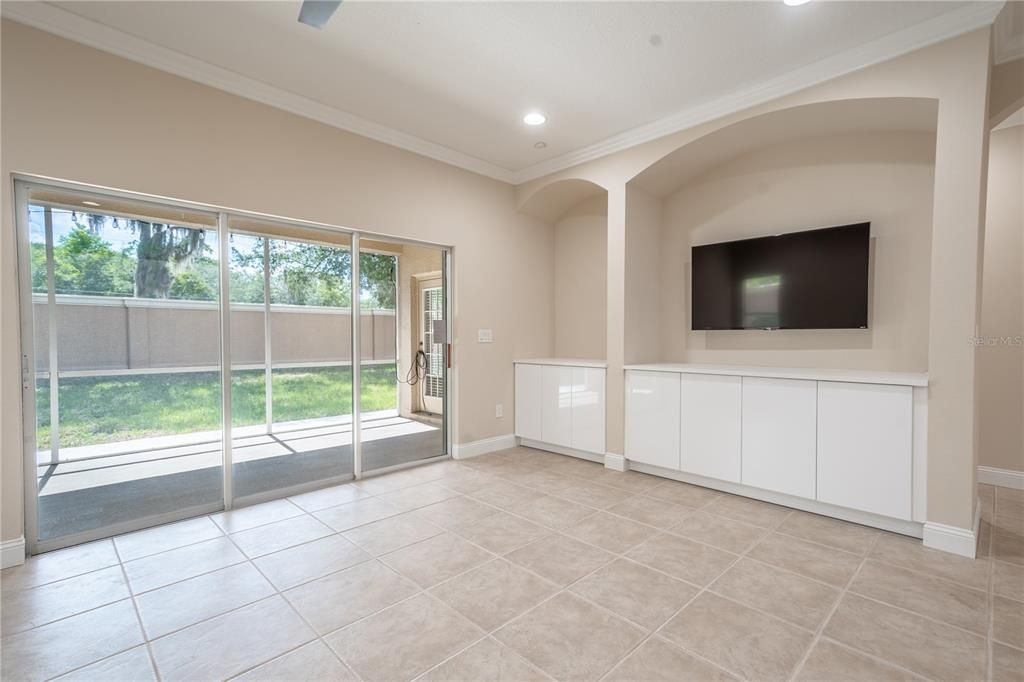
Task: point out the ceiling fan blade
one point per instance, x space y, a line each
316 13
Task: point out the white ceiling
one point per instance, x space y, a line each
453 80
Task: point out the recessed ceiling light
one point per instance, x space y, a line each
796 3
534 118
89 203
540 145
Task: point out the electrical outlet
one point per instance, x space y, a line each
499 411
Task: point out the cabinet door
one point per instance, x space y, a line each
779 441
652 418
865 434
710 435
588 405
556 405
528 401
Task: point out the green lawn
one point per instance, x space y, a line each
111 409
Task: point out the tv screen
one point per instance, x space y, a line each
816 279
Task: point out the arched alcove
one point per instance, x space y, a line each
577 211
806 167
819 119
551 201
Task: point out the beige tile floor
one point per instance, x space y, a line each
520 565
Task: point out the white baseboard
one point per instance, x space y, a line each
616 462
482 447
561 450
12 552
1006 478
962 541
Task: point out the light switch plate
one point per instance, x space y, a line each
484 336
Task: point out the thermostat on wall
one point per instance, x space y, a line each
484 336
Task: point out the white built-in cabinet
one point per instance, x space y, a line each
841 439
528 401
588 409
709 443
865 434
652 416
561 403
779 435
556 405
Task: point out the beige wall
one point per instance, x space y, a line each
884 178
644 293
1001 355
75 113
581 282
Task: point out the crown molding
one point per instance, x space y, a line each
935 30
68 25
46 17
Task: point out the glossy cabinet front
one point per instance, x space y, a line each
779 434
528 403
556 405
588 408
561 405
652 418
845 444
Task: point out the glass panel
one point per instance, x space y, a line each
402 364
248 336
307 436
136 336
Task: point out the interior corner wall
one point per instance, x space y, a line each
885 178
77 113
643 282
581 280
1000 352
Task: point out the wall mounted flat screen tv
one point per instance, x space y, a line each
817 279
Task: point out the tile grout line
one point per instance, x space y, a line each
279 593
656 632
832 611
872 657
566 589
138 615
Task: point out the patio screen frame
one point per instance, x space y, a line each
24 184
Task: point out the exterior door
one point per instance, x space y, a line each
431 311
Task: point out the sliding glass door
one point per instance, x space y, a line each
179 360
122 304
291 358
403 353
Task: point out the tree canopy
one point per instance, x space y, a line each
175 262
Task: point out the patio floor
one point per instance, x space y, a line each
100 486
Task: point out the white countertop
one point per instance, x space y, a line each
564 362
859 376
